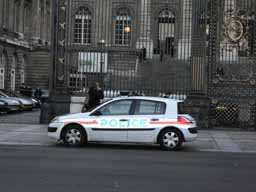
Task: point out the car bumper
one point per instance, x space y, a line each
14 107
27 107
190 134
54 130
4 109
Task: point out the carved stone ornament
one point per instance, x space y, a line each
214 101
252 81
215 81
236 30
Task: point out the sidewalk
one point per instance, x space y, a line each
225 141
208 140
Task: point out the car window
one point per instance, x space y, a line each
149 107
116 108
181 108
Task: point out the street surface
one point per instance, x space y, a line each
219 160
105 169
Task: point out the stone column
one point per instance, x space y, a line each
21 17
4 14
184 46
48 21
35 30
43 36
9 15
1 13
145 39
59 101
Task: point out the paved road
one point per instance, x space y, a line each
27 117
58 169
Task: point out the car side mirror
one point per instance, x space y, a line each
96 113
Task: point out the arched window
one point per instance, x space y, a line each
2 70
166 31
123 27
83 26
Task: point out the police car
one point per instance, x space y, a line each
136 119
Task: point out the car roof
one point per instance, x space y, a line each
161 99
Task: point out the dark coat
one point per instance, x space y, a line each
95 95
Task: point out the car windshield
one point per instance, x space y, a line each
3 94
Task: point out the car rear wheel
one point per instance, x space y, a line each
74 136
170 140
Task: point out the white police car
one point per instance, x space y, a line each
137 119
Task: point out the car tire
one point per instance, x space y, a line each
170 140
74 136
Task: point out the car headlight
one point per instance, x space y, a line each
55 120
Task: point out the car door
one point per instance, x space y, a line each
146 120
112 121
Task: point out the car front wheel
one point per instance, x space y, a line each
74 136
170 140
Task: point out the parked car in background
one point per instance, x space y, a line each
3 106
36 102
26 103
10 104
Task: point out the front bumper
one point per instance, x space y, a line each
14 107
190 133
27 106
4 109
54 130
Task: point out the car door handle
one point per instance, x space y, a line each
123 120
154 119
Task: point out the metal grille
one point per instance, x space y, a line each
231 61
126 45
155 47
225 113
230 113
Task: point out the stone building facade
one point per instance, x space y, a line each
25 32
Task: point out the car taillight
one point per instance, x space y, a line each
184 120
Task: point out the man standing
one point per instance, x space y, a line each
95 96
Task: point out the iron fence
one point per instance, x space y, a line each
155 47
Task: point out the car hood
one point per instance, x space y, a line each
3 103
73 116
10 101
24 101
